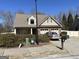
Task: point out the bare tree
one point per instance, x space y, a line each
8 20
59 17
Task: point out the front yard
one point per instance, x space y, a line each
12 40
9 47
29 52
45 48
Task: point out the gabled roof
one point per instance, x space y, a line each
41 18
21 20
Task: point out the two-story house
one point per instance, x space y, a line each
27 23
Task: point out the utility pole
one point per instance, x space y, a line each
37 42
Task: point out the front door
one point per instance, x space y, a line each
34 30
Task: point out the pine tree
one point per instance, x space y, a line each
76 22
70 21
76 16
64 22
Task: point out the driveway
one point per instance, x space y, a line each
71 45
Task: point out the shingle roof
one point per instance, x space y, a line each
41 18
21 20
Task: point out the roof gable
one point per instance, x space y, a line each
50 22
32 17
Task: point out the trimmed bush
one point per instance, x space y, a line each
43 38
10 40
7 40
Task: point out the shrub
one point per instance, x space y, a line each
7 40
43 38
11 40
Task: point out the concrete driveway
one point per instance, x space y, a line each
71 45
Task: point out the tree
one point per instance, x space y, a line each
70 21
76 23
64 22
1 28
8 21
77 11
59 17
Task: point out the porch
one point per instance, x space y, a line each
33 30
25 31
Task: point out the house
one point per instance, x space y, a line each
27 23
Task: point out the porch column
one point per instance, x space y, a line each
49 29
14 31
59 30
31 31
38 31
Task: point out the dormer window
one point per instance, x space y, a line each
32 21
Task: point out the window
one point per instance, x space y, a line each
44 29
31 21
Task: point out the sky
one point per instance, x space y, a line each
50 7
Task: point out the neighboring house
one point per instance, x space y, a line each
27 23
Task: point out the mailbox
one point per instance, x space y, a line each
64 35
